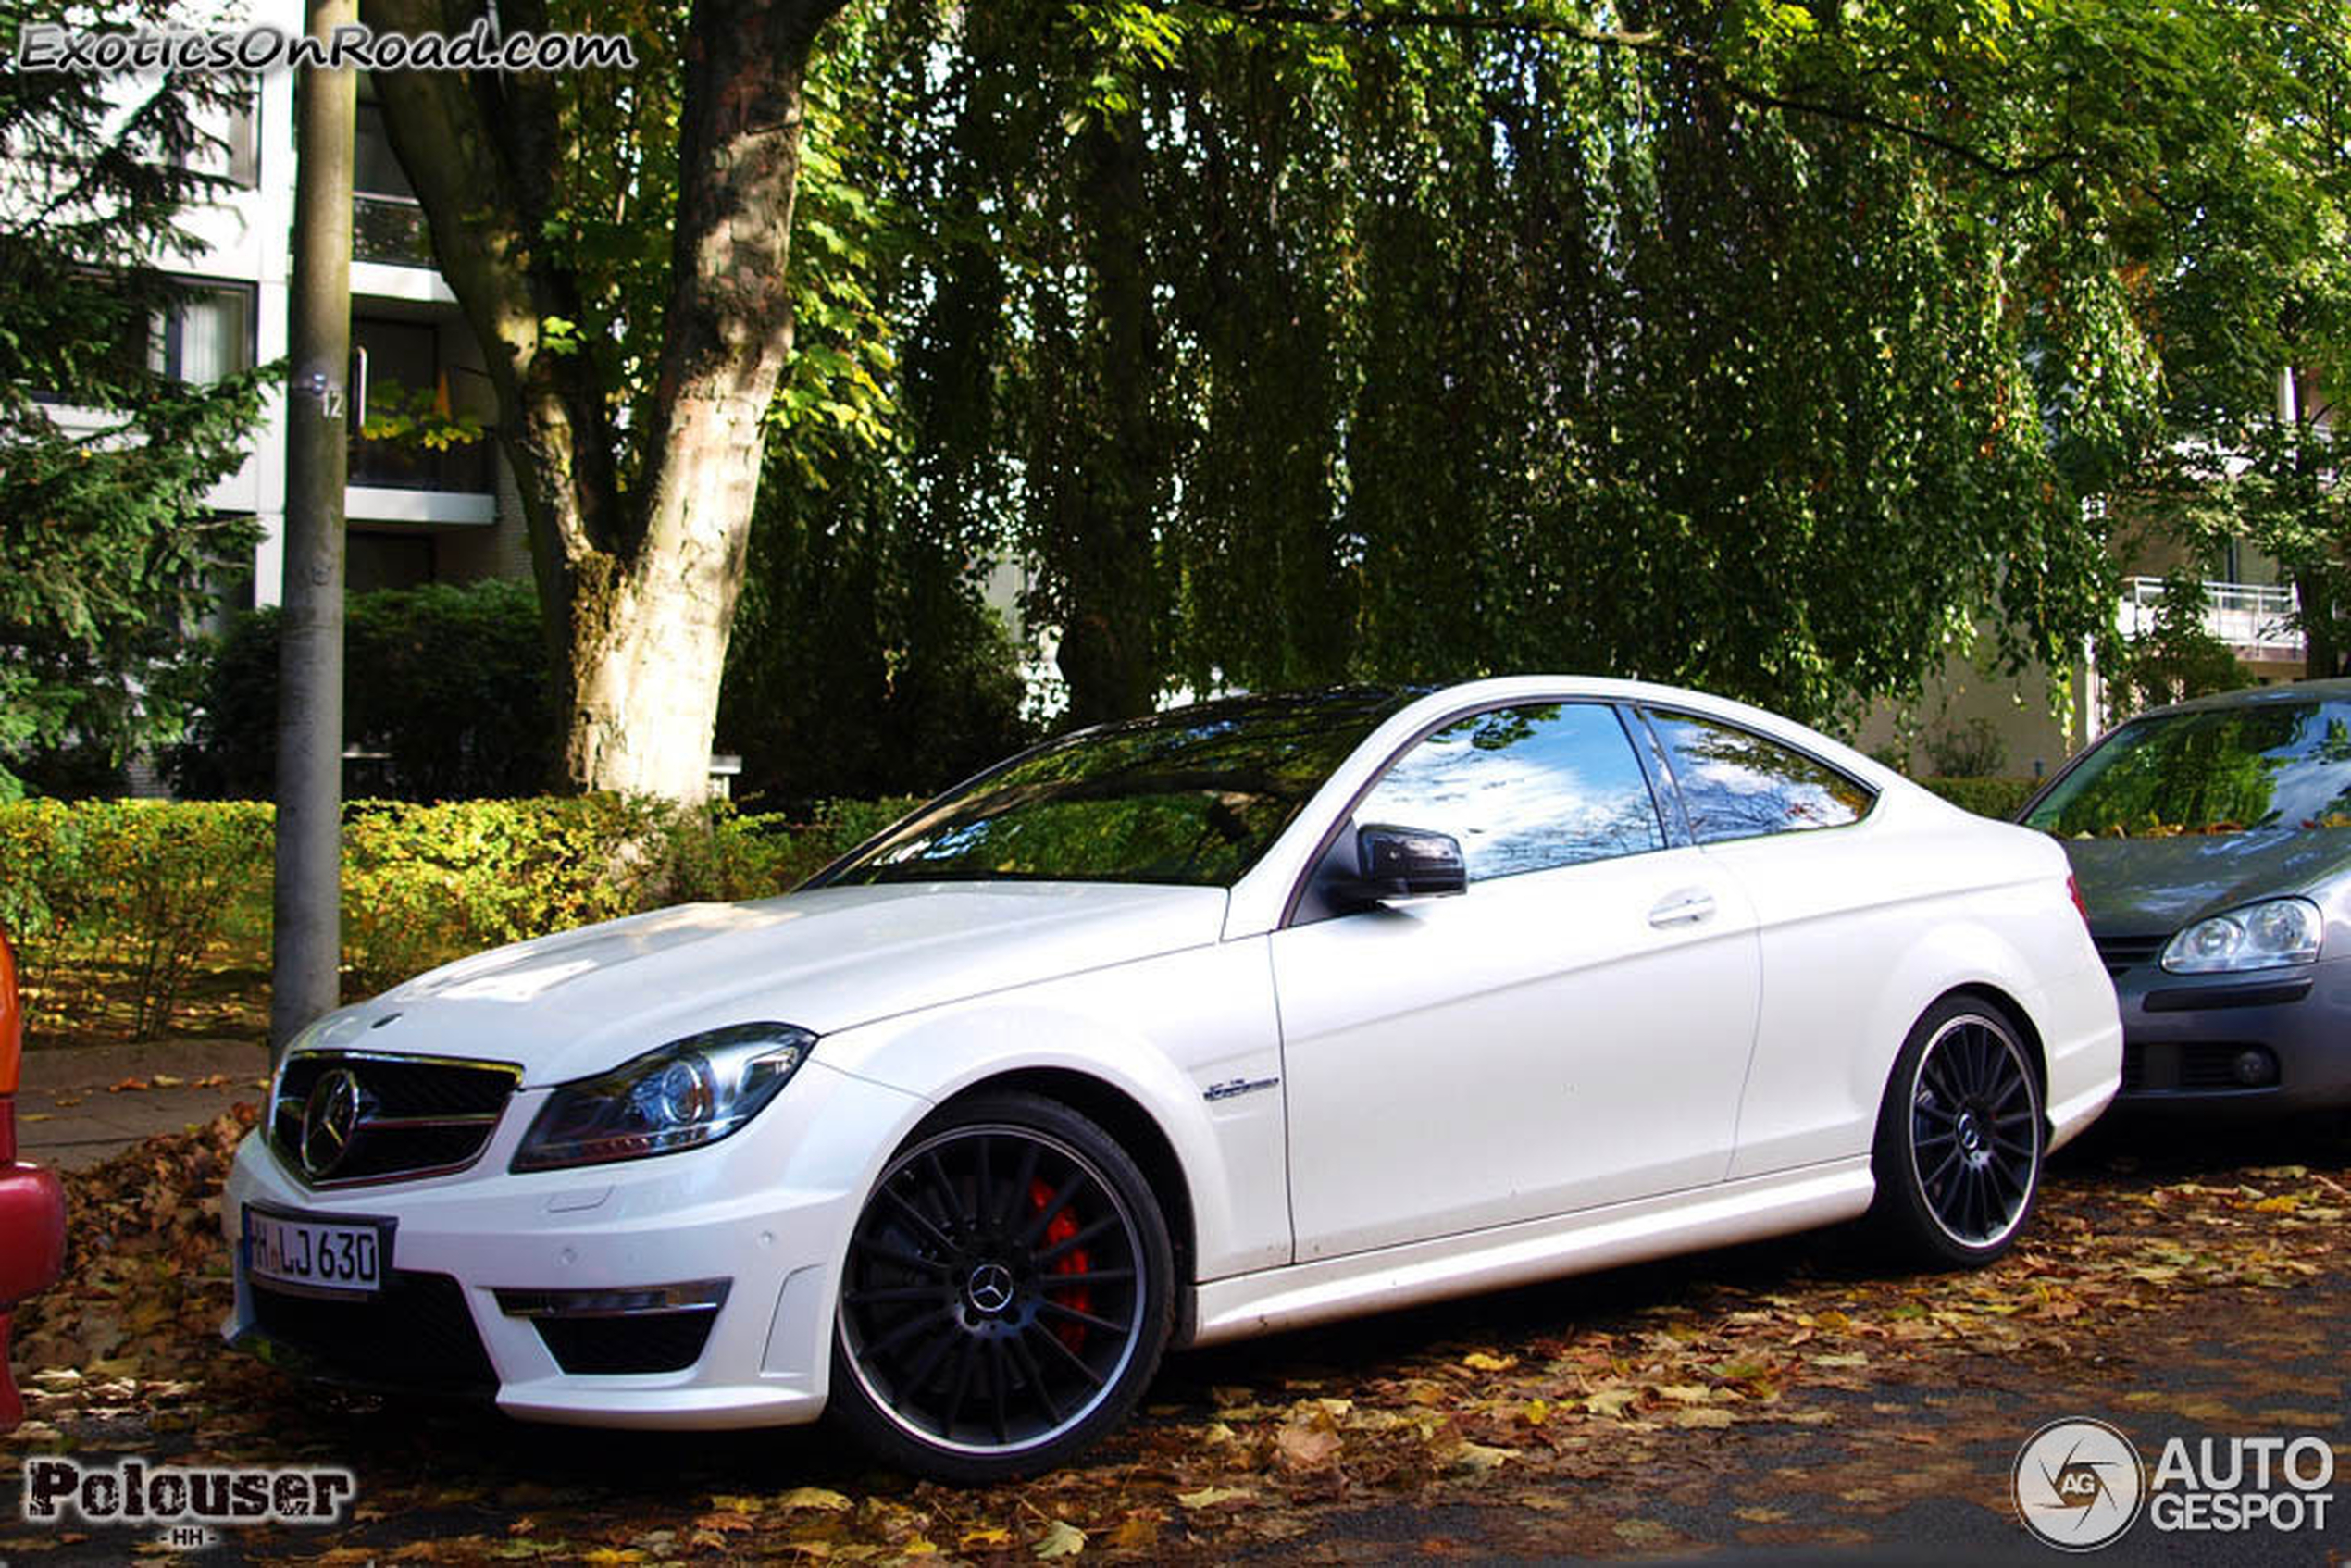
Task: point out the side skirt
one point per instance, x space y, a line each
1724 1215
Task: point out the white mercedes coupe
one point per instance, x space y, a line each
1236 1018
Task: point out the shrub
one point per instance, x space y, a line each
426 884
1969 751
142 888
449 682
1986 797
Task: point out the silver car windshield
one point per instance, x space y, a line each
2229 769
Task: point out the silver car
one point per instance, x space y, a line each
2211 841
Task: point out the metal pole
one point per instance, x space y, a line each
308 937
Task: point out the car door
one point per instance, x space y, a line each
1833 910
1570 1031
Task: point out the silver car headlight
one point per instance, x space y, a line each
2259 936
689 1093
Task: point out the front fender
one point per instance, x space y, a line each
1162 1031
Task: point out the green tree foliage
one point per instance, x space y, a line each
863 662
1766 348
2172 659
107 553
2247 248
1763 349
1971 751
446 687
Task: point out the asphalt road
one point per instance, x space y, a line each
2172 1288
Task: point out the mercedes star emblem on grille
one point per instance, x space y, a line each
330 1122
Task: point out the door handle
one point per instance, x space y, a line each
1687 907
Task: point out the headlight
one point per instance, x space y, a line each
689 1093
2260 936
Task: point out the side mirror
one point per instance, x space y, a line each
1393 863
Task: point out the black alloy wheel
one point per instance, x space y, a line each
1960 1137
1006 1296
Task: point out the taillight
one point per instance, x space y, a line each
2073 891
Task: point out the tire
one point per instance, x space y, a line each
1007 1292
1960 1137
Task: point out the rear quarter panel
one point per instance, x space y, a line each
1864 927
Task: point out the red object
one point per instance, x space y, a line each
32 1206
1057 1229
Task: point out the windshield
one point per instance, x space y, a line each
2210 770
1193 796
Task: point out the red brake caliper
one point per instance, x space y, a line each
1077 1297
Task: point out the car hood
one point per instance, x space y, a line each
2141 887
582 1001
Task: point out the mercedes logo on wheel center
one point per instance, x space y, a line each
991 1287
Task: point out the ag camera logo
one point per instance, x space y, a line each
2078 1484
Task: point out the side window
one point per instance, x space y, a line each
1524 788
1736 784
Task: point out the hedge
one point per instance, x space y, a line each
141 887
144 890
1986 797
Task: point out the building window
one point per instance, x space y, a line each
232 144
243 140
374 171
400 383
207 334
376 560
386 223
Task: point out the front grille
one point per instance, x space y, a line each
415 1334
643 1342
2123 955
416 1115
2134 1068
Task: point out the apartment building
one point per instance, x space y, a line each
415 514
2248 605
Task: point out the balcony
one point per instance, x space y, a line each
385 465
405 483
2255 619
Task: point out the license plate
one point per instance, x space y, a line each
309 1255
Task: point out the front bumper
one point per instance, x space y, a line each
767 1212
2185 1035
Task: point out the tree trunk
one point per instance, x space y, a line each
2316 586
2321 658
638 588
647 650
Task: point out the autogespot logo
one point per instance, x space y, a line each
2078 1484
